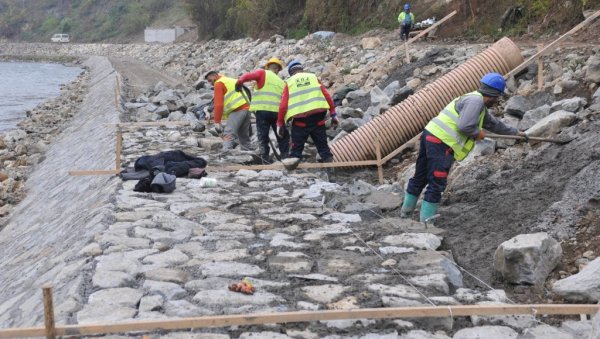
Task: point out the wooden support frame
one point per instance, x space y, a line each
552 45
49 312
418 36
307 316
540 66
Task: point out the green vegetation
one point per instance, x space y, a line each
84 20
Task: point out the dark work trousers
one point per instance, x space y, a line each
266 120
313 126
433 164
404 30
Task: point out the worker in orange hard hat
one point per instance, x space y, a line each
265 104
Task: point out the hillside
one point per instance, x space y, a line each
124 21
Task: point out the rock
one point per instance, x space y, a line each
516 106
595 326
577 328
420 334
3 176
370 42
583 286
151 303
570 105
263 335
592 73
414 240
167 274
533 116
176 116
527 258
401 94
174 136
350 124
551 124
211 143
169 290
596 96
324 293
230 269
430 262
111 279
291 262
360 188
162 111
378 97
384 200
486 332
168 258
126 297
354 95
543 332
483 147
413 83
223 297
391 89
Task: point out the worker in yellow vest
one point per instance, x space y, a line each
230 105
305 102
449 136
407 21
265 105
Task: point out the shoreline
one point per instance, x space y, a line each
24 147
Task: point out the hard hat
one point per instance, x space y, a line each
495 81
275 61
294 64
406 6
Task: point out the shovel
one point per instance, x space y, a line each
518 137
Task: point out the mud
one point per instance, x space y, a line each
507 194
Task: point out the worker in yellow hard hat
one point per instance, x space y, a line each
265 104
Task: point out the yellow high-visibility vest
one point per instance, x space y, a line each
269 96
304 95
445 128
233 100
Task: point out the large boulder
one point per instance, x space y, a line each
527 258
551 124
378 97
592 73
583 286
532 116
570 105
517 106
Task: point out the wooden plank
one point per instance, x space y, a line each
93 172
119 144
378 153
304 316
418 36
22 332
49 312
552 45
400 149
280 166
150 123
540 64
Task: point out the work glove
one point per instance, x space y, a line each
207 113
480 136
334 122
239 87
281 131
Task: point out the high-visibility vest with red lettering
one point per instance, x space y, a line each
304 95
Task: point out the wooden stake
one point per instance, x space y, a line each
416 37
540 64
407 58
552 45
379 167
119 143
49 312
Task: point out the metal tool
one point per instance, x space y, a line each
431 218
527 139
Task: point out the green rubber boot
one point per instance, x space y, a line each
408 205
428 210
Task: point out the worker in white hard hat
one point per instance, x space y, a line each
265 105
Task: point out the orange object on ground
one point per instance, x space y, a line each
243 286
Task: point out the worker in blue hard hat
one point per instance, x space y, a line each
406 20
451 136
304 103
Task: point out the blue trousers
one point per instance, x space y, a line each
265 121
433 165
313 126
